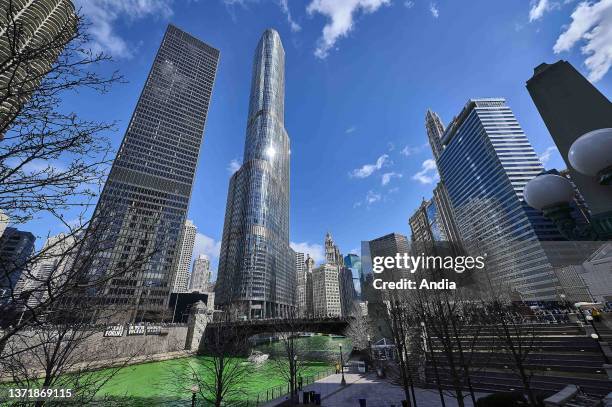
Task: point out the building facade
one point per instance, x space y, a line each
49 271
301 279
256 265
32 36
435 131
200 275
144 204
485 163
181 275
16 247
353 262
326 291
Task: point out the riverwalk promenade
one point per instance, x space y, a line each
377 392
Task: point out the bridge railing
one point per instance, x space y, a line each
276 392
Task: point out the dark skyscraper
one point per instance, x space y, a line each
145 200
256 267
15 248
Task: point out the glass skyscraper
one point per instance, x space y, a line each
144 204
256 266
485 163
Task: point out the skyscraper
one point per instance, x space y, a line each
256 265
326 291
301 279
200 275
144 204
435 131
353 262
181 275
49 270
32 36
485 163
16 246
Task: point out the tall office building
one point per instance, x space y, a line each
310 265
434 220
485 163
256 266
435 131
332 252
353 262
200 275
326 291
144 204
301 280
424 223
16 247
32 36
571 107
181 275
49 270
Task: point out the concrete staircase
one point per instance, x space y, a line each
561 354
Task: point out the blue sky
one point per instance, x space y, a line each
360 75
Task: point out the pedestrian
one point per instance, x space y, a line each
337 368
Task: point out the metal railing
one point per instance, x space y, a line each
278 391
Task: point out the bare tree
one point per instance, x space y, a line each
291 361
515 339
50 159
62 353
220 376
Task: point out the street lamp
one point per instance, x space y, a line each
595 336
591 155
343 381
194 390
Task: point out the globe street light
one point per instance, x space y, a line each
552 194
591 154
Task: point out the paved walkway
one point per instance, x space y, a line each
377 392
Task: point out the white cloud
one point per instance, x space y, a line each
428 173
206 245
409 4
285 9
540 7
368 169
372 197
410 150
103 14
283 5
591 23
433 9
547 154
388 176
233 166
313 249
350 130
341 13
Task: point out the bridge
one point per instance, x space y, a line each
248 328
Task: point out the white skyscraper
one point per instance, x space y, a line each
326 291
300 268
200 275
186 250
